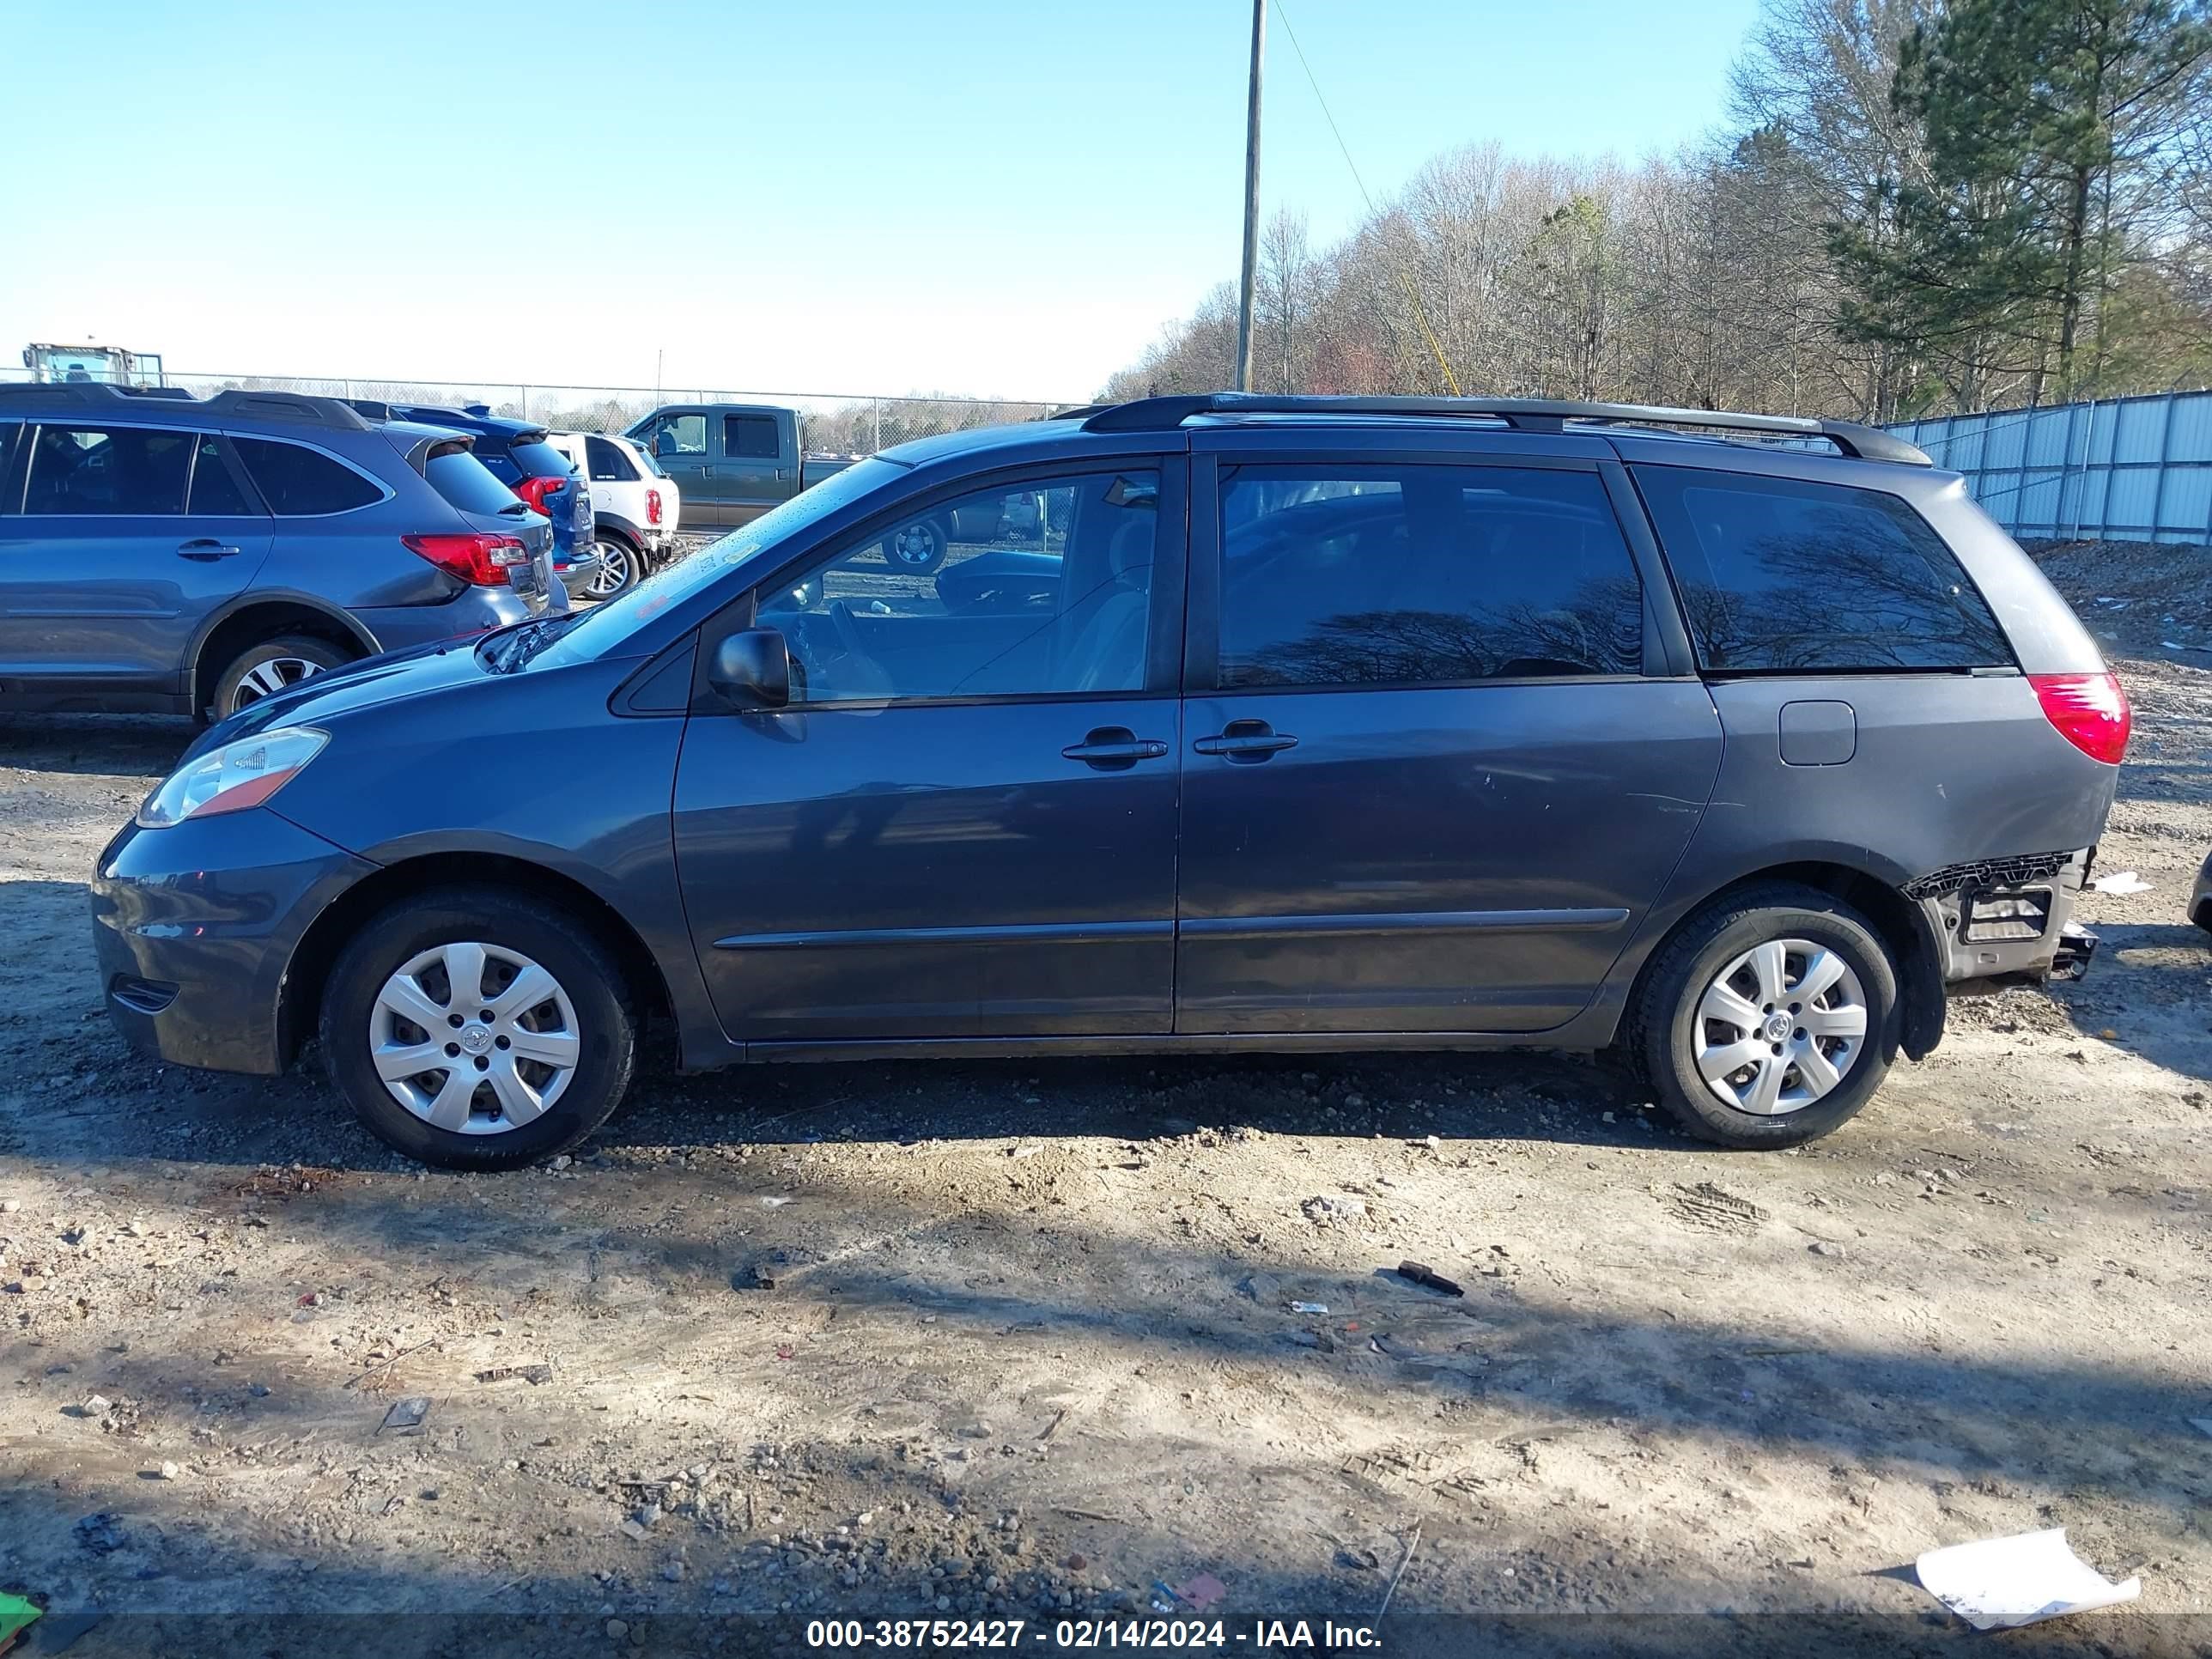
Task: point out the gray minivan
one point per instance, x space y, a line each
1274 725
174 554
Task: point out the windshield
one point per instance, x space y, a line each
606 627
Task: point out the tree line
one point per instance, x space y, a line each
1914 207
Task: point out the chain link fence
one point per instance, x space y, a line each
832 423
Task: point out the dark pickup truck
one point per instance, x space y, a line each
731 462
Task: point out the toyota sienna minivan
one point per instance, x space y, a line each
1732 743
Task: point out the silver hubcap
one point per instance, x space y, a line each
274 675
477 1039
1780 1026
613 571
915 544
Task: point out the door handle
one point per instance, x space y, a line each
206 549
1246 740
1113 749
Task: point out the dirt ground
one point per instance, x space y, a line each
1016 1340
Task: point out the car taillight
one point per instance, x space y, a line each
534 491
653 506
2090 711
482 561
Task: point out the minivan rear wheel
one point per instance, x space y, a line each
477 1030
1769 1018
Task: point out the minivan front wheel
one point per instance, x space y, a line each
477 1030
1770 1018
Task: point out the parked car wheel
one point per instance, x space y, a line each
1770 1018
621 568
478 1030
271 666
918 548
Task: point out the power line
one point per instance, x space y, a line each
1420 316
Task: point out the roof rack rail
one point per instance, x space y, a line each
289 406
1521 414
246 406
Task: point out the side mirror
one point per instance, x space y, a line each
752 668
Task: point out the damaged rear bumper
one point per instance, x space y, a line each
2001 923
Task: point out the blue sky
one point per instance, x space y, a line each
987 195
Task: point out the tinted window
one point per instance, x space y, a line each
1803 577
107 470
465 483
751 437
499 464
1423 575
677 434
1044 589
214 489
301 483
539 459
606 463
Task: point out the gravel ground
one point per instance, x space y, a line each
1018 1340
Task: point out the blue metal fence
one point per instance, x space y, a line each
2126 469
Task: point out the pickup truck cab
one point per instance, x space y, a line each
731 462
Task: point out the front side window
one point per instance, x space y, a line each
109 471
1036 591
300 483
1423 575
677 434
750 437
606 463
1778 576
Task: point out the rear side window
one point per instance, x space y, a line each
750 437
214 490
299 483
464 482
1423 575
606 463
108 471
1781 577
538 460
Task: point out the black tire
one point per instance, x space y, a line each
1664 1024
586 972
250 670
619 554
918 546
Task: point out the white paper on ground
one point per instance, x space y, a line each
2121 881
2203 1423
2001 1582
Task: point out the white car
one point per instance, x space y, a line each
635 508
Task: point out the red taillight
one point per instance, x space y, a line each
534 491
653 506
482 561
2090 711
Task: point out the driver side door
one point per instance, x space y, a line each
964 824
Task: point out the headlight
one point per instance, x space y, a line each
233 777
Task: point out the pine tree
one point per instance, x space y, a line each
2049 126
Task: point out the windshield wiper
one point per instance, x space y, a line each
510 647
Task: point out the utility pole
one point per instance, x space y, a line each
1251 202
